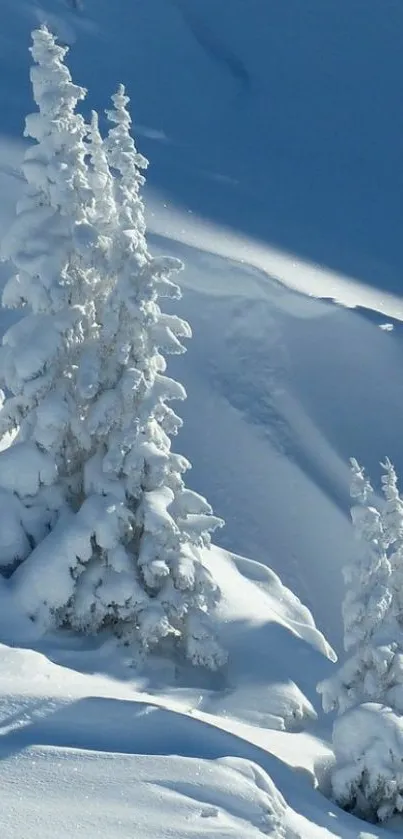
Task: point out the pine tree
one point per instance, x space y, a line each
368 632
367 691
127 552
101 180
392 518
53 245
151 582
367 777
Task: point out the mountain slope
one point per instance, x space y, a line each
274 139
282 389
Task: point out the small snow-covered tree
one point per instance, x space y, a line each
367 779
367 690
53 246
368 633
372 605
368 594
392 519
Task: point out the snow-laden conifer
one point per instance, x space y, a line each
52 245
369 634
128 553
367 778
149 579
101 180
392 518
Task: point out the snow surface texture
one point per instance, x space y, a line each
167 749
283 179
226 796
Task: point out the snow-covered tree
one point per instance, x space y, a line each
372 609
127 552
368 776
53 246
369 635
149 579
100 177
392 519
368 594
367 689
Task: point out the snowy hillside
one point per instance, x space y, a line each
276 158
282 361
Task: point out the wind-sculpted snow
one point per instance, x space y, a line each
196 796
143 752
84 754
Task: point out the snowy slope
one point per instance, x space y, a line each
124 765
88 744
88 749
270 364
275 142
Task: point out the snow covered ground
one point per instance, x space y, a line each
276 169
88 746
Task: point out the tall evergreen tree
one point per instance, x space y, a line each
52 244
127 551
153 582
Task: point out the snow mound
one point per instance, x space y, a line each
130 796
368 745
275 651
276 654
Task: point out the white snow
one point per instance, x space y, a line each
272 264
196 796
368 745
138 753
276 158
